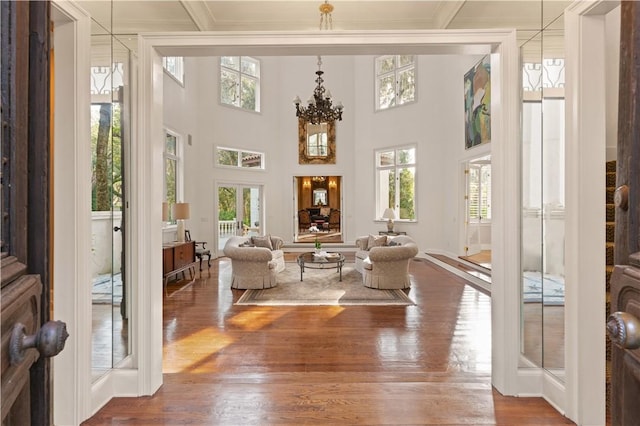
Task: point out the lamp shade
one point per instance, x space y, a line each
181 211
389 214
165 211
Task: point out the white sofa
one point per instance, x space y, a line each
384 262
253 264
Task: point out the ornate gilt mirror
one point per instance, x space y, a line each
316 142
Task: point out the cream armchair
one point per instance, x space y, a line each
255 261
384 263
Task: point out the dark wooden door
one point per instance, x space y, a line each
623 325
25 207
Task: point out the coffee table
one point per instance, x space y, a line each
330 261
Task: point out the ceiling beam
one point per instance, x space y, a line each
447 11
200 14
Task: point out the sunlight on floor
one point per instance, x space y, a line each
255 319
190 353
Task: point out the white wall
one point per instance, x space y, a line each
612 77
434 123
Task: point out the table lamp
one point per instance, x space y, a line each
389 214
180 214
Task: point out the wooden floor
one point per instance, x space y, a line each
426 364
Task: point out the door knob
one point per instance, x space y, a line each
49 340
116 228
624 330
621 197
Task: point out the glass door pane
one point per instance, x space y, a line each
239 211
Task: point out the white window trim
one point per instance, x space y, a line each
240 73
179 80
396 166
239 166
376 100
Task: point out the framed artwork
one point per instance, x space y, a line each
477 104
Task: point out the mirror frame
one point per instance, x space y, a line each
304 157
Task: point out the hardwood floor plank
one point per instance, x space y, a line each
428 364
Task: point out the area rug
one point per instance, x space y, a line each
322 287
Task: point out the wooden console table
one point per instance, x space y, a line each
177 258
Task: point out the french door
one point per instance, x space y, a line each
239 211
478 203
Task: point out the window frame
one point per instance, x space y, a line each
178 78
240 75
396 167
397 70
483 202
240 151
178 157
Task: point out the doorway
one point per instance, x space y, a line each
477 225
318 202
240 212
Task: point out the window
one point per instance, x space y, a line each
174 65
395 182
230 157
479 193
240 82
172 170
395 81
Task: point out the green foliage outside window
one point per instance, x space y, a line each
106 157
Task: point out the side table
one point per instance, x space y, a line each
394 233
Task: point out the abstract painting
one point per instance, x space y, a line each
477 104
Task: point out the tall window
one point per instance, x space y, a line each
172 169
395 80
174 66
240 82
396 182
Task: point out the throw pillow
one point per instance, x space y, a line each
246 244
392 243
264 241
376 241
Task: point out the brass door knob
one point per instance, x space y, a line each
49 340
624 330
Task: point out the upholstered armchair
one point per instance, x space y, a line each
334 220
384 261
255 261
304 220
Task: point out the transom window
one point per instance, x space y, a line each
396 182
230 157
174 66
395 80
240 82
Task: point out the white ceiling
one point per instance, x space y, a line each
130 17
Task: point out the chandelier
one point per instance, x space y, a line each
318 179
319 107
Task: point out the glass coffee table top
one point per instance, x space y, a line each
324 260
